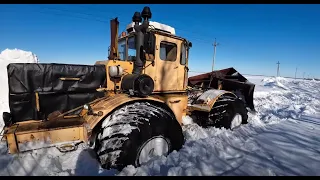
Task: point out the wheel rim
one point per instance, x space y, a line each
236 121
156 146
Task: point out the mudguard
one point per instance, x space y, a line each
226 79
104 107
206 100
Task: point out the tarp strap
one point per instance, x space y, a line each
69 79
37 101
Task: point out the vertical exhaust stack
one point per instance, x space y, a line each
114 27
138 84
140 31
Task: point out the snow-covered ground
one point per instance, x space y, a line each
282 138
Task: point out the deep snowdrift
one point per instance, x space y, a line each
275 82
11 56
281 138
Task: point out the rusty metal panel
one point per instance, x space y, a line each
41 139
12 143
32 126
48 132
114 27
207 99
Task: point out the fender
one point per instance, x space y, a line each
227 79
106 106
206 100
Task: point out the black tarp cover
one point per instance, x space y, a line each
35 77
25 79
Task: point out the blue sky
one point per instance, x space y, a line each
252 37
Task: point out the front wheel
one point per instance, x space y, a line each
136 133
228 112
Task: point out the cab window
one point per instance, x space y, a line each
183 54
131 49
122 49
168 51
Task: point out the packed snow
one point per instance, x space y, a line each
281 138
11 56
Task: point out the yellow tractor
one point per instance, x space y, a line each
128 108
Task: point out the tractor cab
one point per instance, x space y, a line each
126 41
150 48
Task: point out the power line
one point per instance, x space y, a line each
197 71
92 17
65 10
182 30
66 15
100 10
122 22
82 13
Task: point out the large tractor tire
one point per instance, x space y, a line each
228 112
135 133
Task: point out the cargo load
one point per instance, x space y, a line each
58 87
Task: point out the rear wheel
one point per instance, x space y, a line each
228 112
136 133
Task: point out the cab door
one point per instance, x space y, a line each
182 69
167 64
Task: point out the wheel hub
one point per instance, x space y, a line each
156 146
236 121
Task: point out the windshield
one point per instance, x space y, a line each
131 51
122 49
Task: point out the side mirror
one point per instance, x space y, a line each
149 43
190 44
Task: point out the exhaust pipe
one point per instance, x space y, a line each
137 83
114 27
140 31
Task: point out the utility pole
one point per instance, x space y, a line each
278 69
215 44
295 74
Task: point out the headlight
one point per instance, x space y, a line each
86 106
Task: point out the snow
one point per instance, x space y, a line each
275 82
281 138
207 96
156 25
11 56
